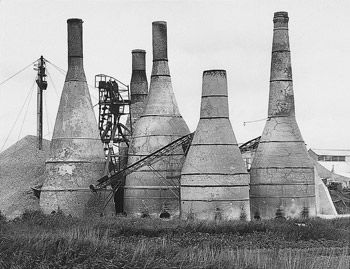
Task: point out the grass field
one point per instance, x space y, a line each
58 241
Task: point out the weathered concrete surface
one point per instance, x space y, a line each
282 175
214 180
138 85
324 203
138 96
22 167
149 190
76 154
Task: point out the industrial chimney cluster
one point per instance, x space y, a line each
206 180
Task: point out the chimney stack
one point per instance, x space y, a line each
138 85
138 93
214 180
159 41
75 50
76 155
282 175
151 191
138 60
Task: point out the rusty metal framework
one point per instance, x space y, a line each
251 145
115 179
114 109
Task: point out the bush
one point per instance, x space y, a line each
54 220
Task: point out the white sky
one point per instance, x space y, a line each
231 35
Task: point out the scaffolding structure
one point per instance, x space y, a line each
114 110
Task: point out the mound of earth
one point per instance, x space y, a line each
21 167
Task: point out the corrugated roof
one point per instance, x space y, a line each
332 152
340 168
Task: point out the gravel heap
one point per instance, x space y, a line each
21 167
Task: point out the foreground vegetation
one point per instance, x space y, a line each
58 241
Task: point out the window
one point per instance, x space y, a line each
330 158
338 158
321 158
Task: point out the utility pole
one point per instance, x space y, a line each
42 85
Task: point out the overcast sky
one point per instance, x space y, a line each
231 35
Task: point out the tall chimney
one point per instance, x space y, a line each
214 180
75 51
151 190
282 176
138 92
138 85
76 158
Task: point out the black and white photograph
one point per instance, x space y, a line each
174 134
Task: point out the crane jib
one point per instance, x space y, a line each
115 179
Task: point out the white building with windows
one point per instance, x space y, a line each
336 161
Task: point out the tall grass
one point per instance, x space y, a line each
58 241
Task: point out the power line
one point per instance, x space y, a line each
245 122
47 116
17 117
61 70
25 113
53 84
24 68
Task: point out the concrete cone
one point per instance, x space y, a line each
76 154
138 93
214 180
138 85
282 176
161 123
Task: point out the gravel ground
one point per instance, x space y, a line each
22 166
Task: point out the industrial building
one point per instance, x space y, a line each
139 157
336 161
214 180
282 175
76 153
154 188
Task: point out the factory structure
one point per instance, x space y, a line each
139 157
281 174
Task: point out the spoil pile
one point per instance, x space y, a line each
21 167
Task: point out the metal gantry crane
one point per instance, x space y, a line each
114 109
